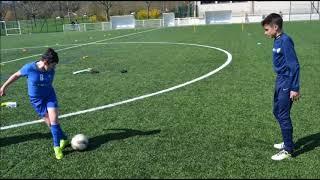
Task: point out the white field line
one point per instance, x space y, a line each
140 97
79 45
36 47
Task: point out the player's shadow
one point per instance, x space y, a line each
307 144
97 141
7 141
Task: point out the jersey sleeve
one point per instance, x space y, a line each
24 71
292 64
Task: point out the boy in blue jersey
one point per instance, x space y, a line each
286 66
42 96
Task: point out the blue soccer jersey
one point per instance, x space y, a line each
285 61
39 82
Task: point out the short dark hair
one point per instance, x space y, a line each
51 56
272 19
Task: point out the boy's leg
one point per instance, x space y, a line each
58 135
281 110
40 106
51 118
282 107
285 105
47 120
56 131
276 105
52 106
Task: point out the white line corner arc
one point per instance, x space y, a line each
228 61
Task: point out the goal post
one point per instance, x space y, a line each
3 28
72 27
10 28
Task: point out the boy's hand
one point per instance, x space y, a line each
294 96
2 91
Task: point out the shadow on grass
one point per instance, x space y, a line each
96 142
23 138
307 144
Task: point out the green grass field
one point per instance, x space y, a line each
219 127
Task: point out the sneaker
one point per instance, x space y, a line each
281 155
58 152
63 143
279 146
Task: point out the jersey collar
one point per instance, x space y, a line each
279 35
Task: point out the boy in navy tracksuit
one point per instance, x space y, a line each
286 66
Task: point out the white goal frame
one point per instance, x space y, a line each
9 29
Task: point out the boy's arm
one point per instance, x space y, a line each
293 64
11 79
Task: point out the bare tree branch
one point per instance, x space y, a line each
4 8
31 8
148 3
106 6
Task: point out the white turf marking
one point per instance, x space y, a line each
36 47
79 45
140 97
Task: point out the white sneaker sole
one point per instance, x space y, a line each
280 158
279 146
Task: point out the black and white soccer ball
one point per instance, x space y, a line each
79 142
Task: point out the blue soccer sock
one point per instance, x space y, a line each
55 134
61 133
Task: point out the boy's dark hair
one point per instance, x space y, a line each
273 19
51 56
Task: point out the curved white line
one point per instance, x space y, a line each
140 97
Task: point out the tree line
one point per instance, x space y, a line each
12 10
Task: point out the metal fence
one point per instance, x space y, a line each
190 21
63 25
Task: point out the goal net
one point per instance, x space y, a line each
123 22
101 26
10 28
150 23
217 17
168 19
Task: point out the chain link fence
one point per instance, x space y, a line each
243 12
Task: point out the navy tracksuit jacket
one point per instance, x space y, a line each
286 66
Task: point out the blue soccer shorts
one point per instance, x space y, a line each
41 104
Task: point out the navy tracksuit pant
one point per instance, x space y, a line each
281 110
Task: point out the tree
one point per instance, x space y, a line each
69 8
106 6
72 6
31 8
188 7
47 9
148 3
4 9
60 9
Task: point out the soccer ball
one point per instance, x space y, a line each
79 142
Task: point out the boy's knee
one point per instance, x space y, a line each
284 116
286 124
